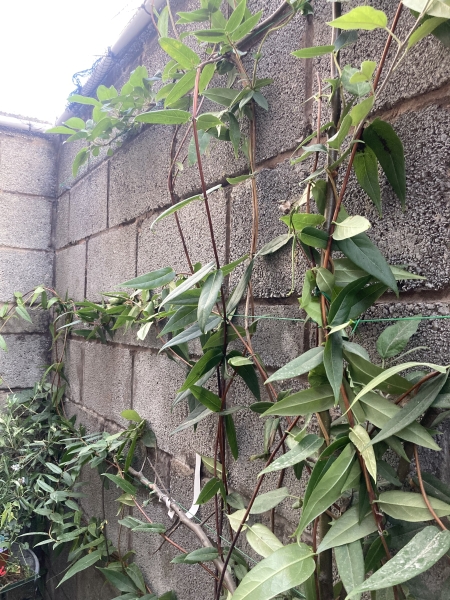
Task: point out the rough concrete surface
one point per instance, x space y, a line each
27 164
23 270
111 260
62 219
89 204
70 267
29 222
272 274
107 380
23 364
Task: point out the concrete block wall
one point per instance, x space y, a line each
28 170
102 237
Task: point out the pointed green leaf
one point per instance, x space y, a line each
183 317
415 407
209 491
348 529
189 283
313 51
382 139
236 17
262 540
246 27
82 564
380 411
421 553
208 297
151 280
333 361
365 166
197 415
124 485
361 17
360 250
361 439
269 500
164 117
181 88
315 399
341 306
350 565
299 366
186 57
283 570
328 489
207 398
360 111
308 446
119 580
209 360
275 244
395 337
350 227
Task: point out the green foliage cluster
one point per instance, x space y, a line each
356 505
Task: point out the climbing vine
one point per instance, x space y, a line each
354 430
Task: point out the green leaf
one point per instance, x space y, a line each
299 366
124 485
382 377
269 500
314 237
308 446
210 35
350 565
348 529
208 361
421 553
186 57
151 280
82 564
206 75
195 16
366 298
325 281
118 579
365 166
425 29
236 17
415 407
223 96
361 17
275 244
131 415
181 88
360 250
239 290
83 100
385 143
436 8
350 227
333 361
209 120
239 361
22 312
262 540
380 411
359 88
197 415
327 490
208 297
209 491
313 51
315 399
135 574
164 117
79 160
189 283
150 528
200 556
301 220
395 338
246 27
207 398
343 303
361 439
183 317
283 570
360 111
363 371
60 129
338 139
235 136
261 100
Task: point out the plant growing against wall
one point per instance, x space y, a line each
380 536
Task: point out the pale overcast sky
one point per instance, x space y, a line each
43 43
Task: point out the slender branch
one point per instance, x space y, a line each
252 500
424 494
226 578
